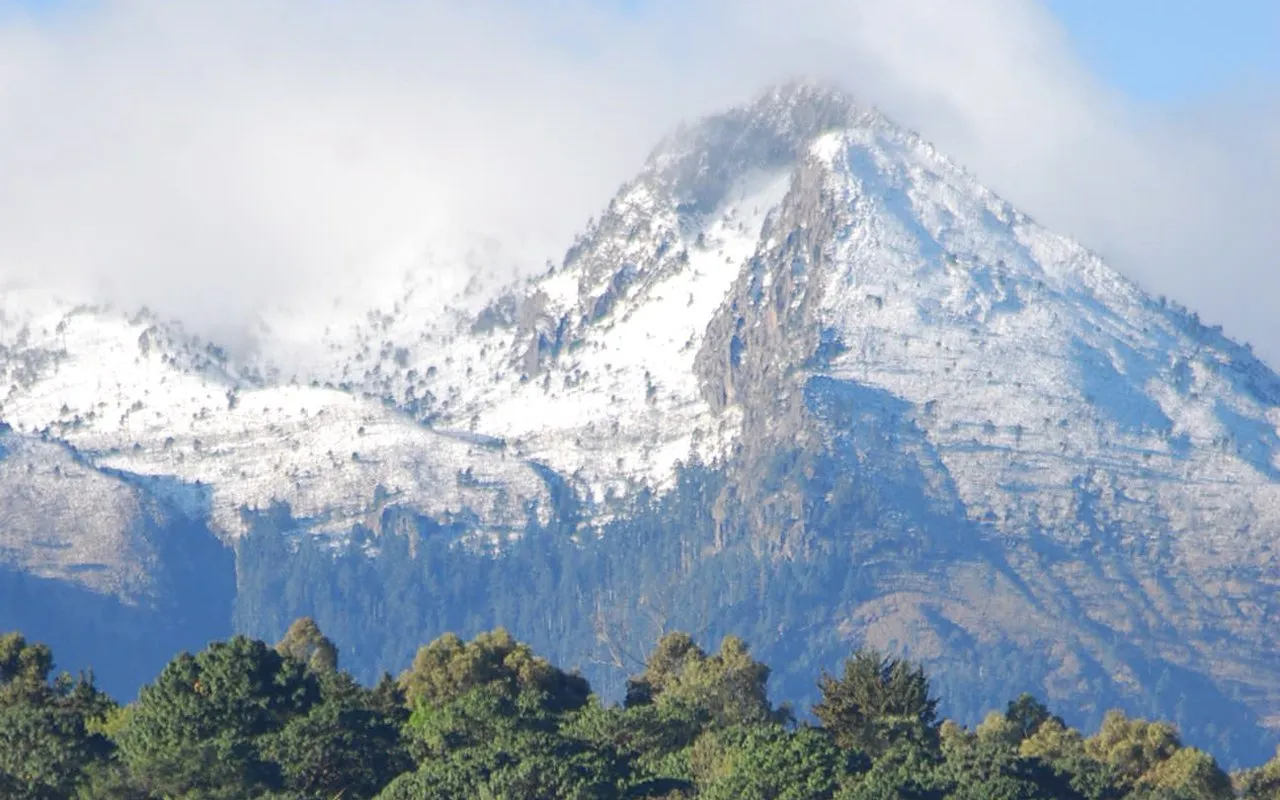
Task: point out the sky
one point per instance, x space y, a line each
210 158
1175 51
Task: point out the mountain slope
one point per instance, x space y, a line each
1119 454
1087 462
101 562
140 396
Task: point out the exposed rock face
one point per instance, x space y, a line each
62 519
102 567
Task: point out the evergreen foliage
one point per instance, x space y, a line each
877 702
488 718
304 643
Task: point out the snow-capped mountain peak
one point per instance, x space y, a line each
876 356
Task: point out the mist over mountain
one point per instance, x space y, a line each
804 379
216 164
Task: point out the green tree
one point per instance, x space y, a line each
987 765
449 668
663 668
1132 747
23 665
654 738
45 739
1052 742
769 762
492 719
110 780
876 702
1027 714
304 643
199 729
347 745
1189 774
488 743
728 688
1063 750
1262 783
907 770
45 747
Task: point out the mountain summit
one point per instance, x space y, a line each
802 246
805 379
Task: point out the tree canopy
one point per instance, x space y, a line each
876 702
488 718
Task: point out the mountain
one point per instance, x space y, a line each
91 556
804 379
138 395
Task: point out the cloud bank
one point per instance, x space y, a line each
210 158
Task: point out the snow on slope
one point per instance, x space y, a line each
589 367
1041 376
621 406
141 399
1039 373
1121 458
397 313
48 495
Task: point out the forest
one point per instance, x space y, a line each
489 718
597 602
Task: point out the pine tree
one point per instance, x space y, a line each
875 702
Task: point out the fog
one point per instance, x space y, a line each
209 159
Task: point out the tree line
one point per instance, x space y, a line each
488 718
599 601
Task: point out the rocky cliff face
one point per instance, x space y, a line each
101 564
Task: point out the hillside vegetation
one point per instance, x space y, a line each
488 718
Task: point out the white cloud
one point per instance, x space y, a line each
209 156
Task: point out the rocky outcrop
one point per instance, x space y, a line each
103 567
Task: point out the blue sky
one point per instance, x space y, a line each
1167 51
1158 51
1172 50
